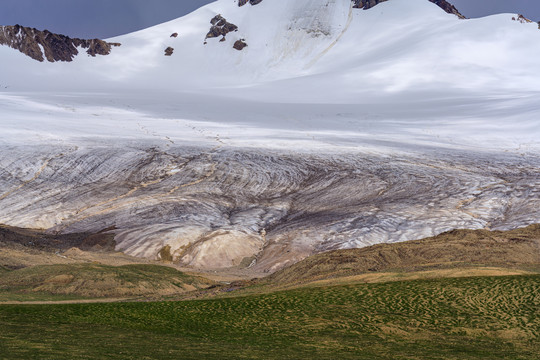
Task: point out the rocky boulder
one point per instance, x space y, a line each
240 44
169 51
220 27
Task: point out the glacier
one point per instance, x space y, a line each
334 128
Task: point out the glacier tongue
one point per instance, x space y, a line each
222 207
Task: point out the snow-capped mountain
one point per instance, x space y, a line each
255 133
395 45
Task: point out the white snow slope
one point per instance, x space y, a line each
317 77
410 71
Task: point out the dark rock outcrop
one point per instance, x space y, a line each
240 44
169 51
443 4
252 2
449 8
174 35
522 19
41 45
220 27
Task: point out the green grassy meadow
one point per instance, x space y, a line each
460 318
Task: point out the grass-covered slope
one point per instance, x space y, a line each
53 282
466 318
519 248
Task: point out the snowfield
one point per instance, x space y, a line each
403 66
335 127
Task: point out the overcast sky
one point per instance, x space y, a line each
107 18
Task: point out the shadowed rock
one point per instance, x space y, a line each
252 2
169 51
220 27
239 45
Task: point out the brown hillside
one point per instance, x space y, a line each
99 281
457 248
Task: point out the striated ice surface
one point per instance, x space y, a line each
217 206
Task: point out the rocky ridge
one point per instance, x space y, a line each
45 45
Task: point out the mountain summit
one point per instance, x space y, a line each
368 4
392 45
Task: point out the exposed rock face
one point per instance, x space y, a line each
443 4
240 44
449 8
169 51
252 2
174 35
220 27
41 45
522 19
